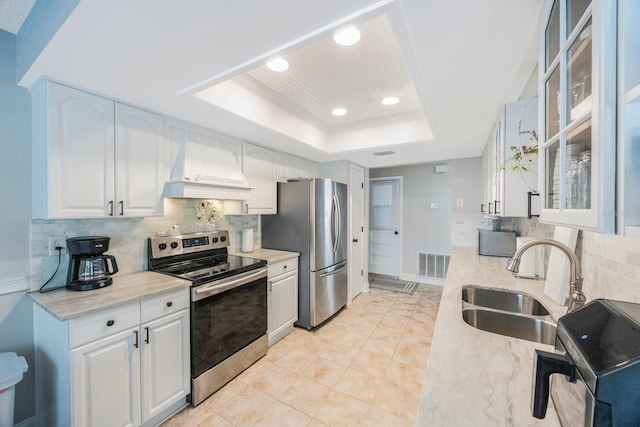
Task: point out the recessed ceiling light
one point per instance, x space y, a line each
278 64
339 111
347 37
390 100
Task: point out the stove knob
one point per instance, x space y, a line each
215 240
223 239
162 246
174 245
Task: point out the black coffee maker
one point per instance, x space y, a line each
88 267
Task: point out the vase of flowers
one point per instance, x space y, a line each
207 212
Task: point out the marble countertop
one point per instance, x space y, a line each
270 255
65 305
477 378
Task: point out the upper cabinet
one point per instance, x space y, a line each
259 165
510 162
577 131
629 118
93 157
292 167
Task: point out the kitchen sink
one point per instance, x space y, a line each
502 299
536 329
510 313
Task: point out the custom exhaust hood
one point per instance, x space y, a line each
204 166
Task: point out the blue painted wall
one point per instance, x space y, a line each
16 328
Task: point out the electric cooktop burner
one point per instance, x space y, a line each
198 257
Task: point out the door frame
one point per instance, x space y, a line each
400 219
352 232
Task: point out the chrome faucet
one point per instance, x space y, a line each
575 281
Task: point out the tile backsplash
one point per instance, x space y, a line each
610 263
128 237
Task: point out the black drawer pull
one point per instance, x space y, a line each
169 304
110 322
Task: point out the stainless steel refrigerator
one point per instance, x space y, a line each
312 220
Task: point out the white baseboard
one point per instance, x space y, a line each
426 280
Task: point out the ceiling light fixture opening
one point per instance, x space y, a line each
339 111
278 64
390 100
347 37
384 153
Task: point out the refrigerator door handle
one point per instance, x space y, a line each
338 223
334 222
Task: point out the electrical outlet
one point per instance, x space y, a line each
54 241
459 203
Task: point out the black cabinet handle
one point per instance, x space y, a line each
490 206
110 322
121 203
495 205
110 207
146 340
170 303
136 344
483 209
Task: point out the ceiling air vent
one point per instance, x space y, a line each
384 153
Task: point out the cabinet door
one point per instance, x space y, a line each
282 305
165 363
287 167
140 162
259 166
306 168
80 144
106 381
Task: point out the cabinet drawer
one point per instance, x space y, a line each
282 267
162 305
103 323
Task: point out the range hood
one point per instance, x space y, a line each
204 166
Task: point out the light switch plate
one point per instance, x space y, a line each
459 203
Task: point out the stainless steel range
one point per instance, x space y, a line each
228 305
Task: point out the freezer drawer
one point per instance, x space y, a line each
328 292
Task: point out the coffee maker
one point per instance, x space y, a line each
88 267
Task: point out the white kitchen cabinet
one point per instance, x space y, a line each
506 189
577 89
127 365
282 299
291 167
628 203
93 157
259 165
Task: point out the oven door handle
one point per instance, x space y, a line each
225 285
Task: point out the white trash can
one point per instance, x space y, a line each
12 367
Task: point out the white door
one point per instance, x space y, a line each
259 167
357 279
384 225
165 363
81 156
282 305
140 161
106 381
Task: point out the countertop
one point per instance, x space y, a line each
473 377
65 305
270 255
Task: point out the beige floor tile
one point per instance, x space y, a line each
340 409
221 397
379 346
305 395
405 375
248 408
370 363
325 371
378 418
281 415
296 361
274 381
397 400
415 355
189 417
410 338
358 384
340 353
254 370
316 423
387 333
215 420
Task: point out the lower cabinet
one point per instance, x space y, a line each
125 366
282 297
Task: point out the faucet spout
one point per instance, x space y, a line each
575 281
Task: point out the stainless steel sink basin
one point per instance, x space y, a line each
502 299
536 329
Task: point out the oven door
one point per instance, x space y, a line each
226 316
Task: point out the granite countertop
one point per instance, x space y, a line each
270 255
477 378
65 305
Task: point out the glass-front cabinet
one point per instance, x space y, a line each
577 128
628 207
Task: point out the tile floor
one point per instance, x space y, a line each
364 367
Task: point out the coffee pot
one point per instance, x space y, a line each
89 268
